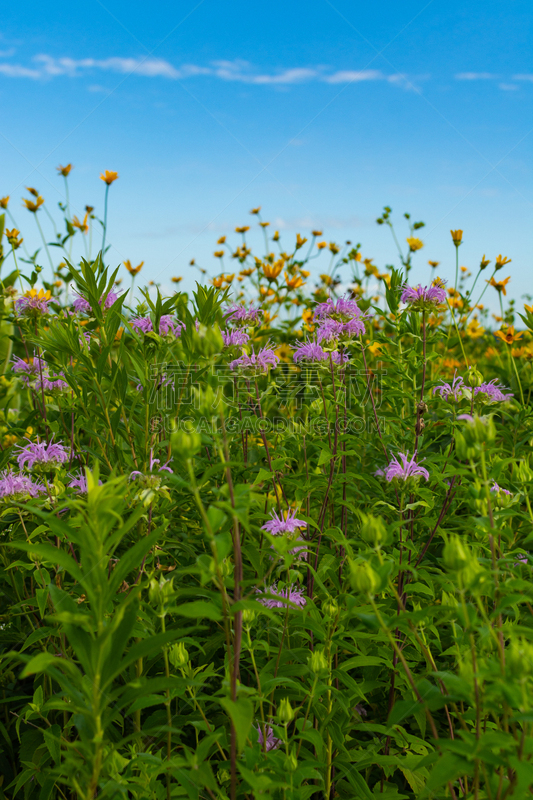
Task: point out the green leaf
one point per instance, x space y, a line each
241 712
199 609
52 739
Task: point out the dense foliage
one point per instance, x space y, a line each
263 541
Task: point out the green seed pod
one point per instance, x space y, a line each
330 607
317 662
363 578
456 554
285 711
248 616
178 655
373 530
474 378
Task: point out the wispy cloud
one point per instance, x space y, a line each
476 76
46 67
523 78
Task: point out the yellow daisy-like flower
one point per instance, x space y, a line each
316 233
108 177
299 241
457 237
82 226
334 248
242 229
34 206
255 210
218 253
222 240
12 237
474 329
176 279
501 261
434 264
414 243
508 334
272 271
295 282
4 201
484 263
64 170
133 270
499 285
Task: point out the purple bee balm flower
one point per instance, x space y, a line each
466 417
29 370
153 462
343 309
283 523
332 329
291 594
498 489
33 303
235 337
82 306
256 362
309 351
451 393
492 392
379 473
18 487
424 297
52 384
41 456
166 325
240 315
522 559
272 742
339 358
408 468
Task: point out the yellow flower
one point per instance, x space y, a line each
221 240
83 226
32 191
264 224
255 210
501 261
463 269
294 282
474 329
299 241
40 295
13 238
9 440
434 264
108 177
64 170
307 316
133 270
499 285
59 284
358 256
528 308
326 279
508 334
271 271
242 229
484 263
376 348
218 253
176 279
316 233
34 207
275 238
457 237
334 248
305 273
284 352
4 201
414 244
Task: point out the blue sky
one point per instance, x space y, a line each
321 112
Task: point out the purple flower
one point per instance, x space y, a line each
408 468
256 362
166 325
272 742
492 392
42 456
29 370
17 487
240 315
343 308
79 483
455 391
153 461
466 417
379 473
498 489
522 559
235 337
291 594
283 523
424 297
82 306
333 329
33 303
309 351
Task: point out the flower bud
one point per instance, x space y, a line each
178 655
363 578
373 530
478 430
159 593
317 662
186 444
474 378
285 711
291 762
330 607
456 554
248 616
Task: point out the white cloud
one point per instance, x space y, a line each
508 87
46 67
523 78
475 76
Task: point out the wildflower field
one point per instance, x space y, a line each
269 539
